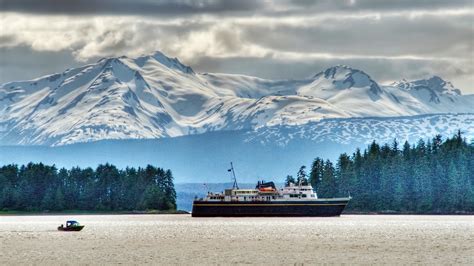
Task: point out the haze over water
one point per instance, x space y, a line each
181 239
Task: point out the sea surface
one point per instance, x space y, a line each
181 239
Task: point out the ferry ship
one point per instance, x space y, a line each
265 200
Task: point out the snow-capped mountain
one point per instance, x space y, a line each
331 82
438 94
434 85
154 96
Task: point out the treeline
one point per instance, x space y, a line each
430 177
39 187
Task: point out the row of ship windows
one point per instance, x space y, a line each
245 198
296 195
273 197
246 192
302 195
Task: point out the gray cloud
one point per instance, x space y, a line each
377 5
274 39
170 8
124 7
338 7
382 70
23 63
389 36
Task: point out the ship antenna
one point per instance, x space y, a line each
235 186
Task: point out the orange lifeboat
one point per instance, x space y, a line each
266 189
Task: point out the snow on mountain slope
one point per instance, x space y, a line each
154 96
366 130
437 94
358 94
434 85
288 110
334 80
252 87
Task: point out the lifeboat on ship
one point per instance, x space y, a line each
266 187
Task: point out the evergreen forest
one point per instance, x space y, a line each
39 187
435 176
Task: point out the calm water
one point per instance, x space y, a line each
180 239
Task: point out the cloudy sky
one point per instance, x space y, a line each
286 39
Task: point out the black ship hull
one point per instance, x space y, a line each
313 208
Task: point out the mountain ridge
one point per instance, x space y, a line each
154 96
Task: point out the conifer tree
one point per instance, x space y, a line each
289 180
39 187
430 177
301 176
316 173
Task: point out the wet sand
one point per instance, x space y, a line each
180 239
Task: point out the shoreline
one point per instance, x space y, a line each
77 212
407 213
181 212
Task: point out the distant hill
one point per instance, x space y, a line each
268 152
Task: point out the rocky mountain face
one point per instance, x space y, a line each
153 97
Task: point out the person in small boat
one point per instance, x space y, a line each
72 224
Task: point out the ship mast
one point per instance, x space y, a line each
235 186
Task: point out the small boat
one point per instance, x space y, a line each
71 226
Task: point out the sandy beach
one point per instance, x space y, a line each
180 239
